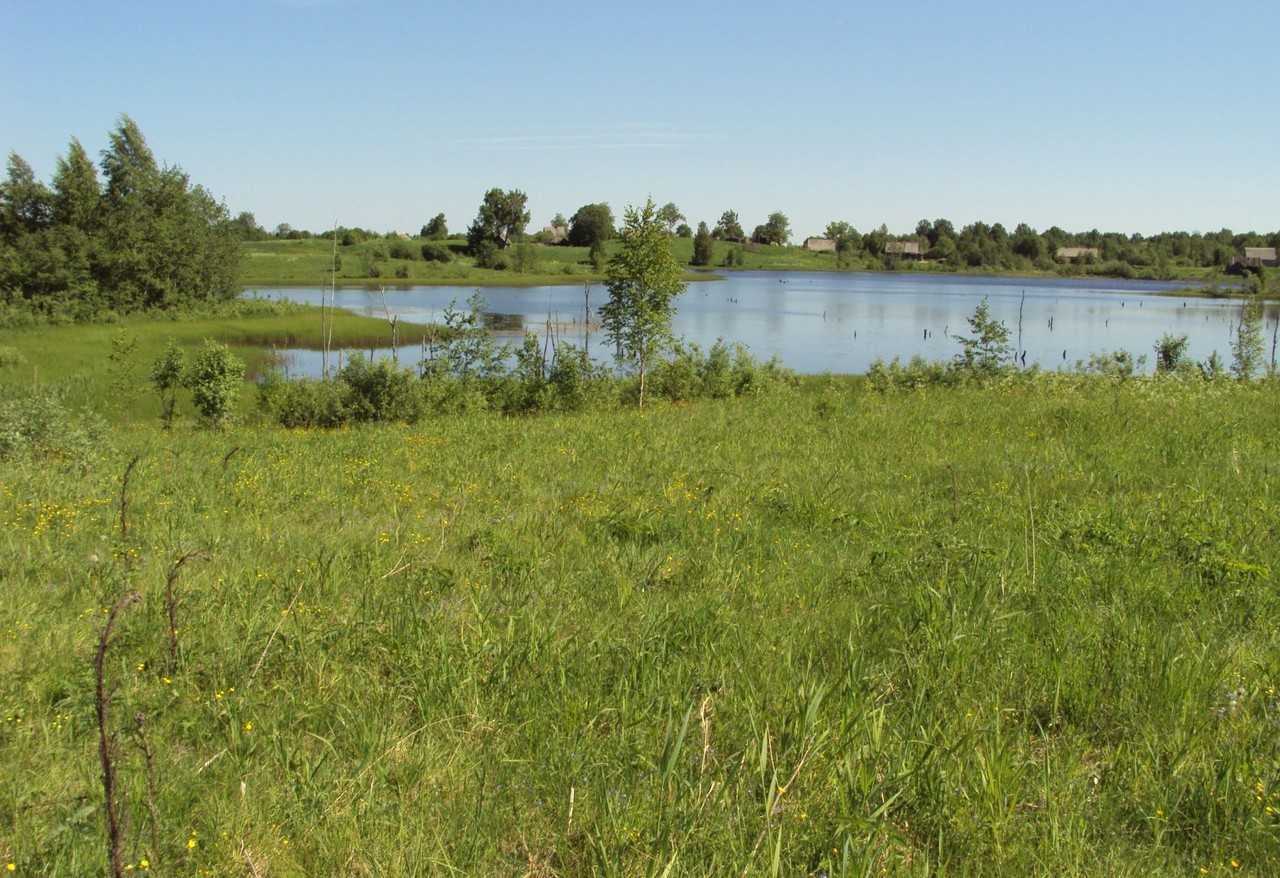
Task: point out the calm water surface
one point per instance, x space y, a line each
837 322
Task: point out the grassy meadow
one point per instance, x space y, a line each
1021 630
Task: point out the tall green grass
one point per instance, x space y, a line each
1020 630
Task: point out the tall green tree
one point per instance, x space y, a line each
845 236
147 238
501 219
436 229
164 241
775 230
702 246
729 228
644 280
670 216
77 194
591 225
41 262
26 205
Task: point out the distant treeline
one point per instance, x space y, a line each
979 245
143 237
976 246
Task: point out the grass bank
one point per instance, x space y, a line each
1020 630
85 358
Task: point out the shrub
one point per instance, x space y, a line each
750 376
717 372
402 249
166 378
918 374
436 253
380 391
576 380
528 389
215 379
1119 365
987 350
524 258
1171 354
37 426
306 403
1248 348
679 377
724 372
11 358
489 256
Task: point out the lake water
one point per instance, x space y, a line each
842 322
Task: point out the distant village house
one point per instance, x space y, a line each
905 249
1255 259
557 234
1075 254
820 245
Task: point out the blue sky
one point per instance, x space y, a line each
1126 115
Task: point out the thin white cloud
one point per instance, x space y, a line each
622 137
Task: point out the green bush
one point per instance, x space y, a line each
436 253
577 381
37 426
725 371
1120 365
1171 354
215 379
528 389
489 256
306 403
380 391
166 378
402 249
918 374
11 358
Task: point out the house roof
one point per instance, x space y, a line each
820 245
1260 253
1075 252
906 248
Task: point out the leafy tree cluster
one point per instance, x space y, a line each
702 245
140 237
775 230
501 220
980 245
729 228
591 225
435 230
